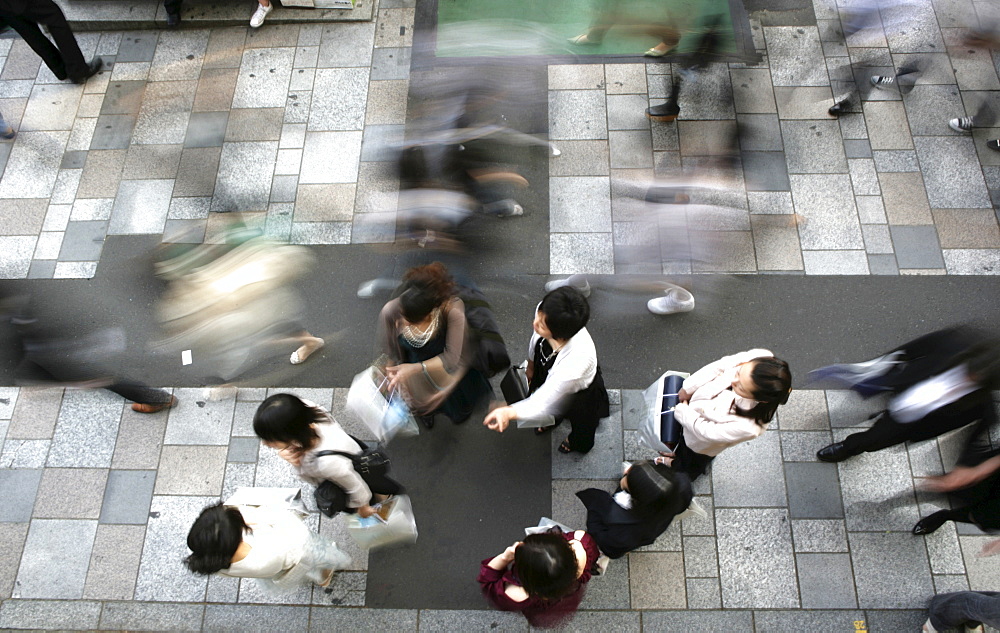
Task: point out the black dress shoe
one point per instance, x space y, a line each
839 108
173 20
426 420
930 524
833 453
60 73
666 111
93 67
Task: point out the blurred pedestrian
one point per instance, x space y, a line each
425 334
64 58
939 382
301 432
6 130
543 577
173 8
967 609
564 379
725 403
648 498
270 544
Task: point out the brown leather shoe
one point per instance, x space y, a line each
153 408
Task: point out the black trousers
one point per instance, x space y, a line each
887 432
128 389
24 17
173 7
689 462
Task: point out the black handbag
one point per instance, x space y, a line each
331 498
514 385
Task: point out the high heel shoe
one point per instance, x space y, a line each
930 524
583 40
656 52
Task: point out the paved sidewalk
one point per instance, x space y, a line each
286 123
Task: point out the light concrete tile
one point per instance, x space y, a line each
627 112
346 44
887 125
904 197
770 202
166 109
386 102
890 570
141 207
37 577
711 97
581 253
835 262
191 470
86 431
752 91
147 616
324 203
567 215
776 243
619 79
576 76
792 54
743 463
238 185
52 107
197 421
33 165
114 562
803 102
827 203
179 55
870 210
656 580
877 489
748 557
951 173
813 147
826 581
245 124
15 256
70 493
577 114
928 109
970 261
877 238
819 535
161 578
52 614
151 162
35 413
23 216
330 157
580 158
394 28
339 99
723 251
263 79
75 270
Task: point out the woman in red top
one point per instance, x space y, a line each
547 579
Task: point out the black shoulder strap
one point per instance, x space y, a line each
327 453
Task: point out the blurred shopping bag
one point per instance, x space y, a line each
383 411
392 523
660 431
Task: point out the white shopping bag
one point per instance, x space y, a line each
278 498
649 430
399 527
383 412
544 525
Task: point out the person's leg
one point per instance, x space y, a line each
142 395
263 8
581 437
668 110
952 610
43 47
48 13
173 8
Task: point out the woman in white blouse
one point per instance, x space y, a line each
725 403
564 379
272 545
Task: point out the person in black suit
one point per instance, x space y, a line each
64 58
647 500
940 382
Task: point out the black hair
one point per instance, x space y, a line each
566 312
546 566
286 418
651 486
772 380
424 288
214 539
983 362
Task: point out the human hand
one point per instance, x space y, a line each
508 553
683 396
960 477
365 511
398 374
498 419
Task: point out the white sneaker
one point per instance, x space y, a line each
258 16
675 299
574 281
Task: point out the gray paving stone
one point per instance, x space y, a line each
139 438
949 584
890 570
603 461
566 507
679 621
724 251
776 241
12 537
114 562
805 411
813 491
921 35
826 581
346 44
206 129
379 143
579 158
742 477
33 165
19 487
896 620
611 590
215 89
339 98
916 247
15 256
925 459
263 79
387 101
243 449
141 207
197 421
70 493
390 63
819 535
576 76
813 147
792 54
238 475
41 269
657 580
21 62
746 558
581 253
225 617
704 593
806 620
801 446
877 490
238 186
711 97
83 241
959 261
630 149
927 108
86 431
138 46
627 112
161 577
904 198
625 78
803 103
706 138
566 215
857 148
148 616
760 133
431 620
863 176
944 551
951 173
700 557
877 238
577 114
37 577
24 216
981 570
888 161
887 125
127 497
24 453
52 107
770 202
330 157
752 91
374 620
765 171
346 590
166 109
827 202
191 470
91 209
50 614
222 589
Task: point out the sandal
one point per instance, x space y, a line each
327 579
302 354
564 447
583 40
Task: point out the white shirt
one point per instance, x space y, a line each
573 370
338 469
710 426
928 395
276 545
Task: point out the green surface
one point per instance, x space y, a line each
526 27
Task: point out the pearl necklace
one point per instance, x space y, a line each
417 338
555 350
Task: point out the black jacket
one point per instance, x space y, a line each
618 531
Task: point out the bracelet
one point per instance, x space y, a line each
428 376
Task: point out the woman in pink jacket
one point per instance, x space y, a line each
725 403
